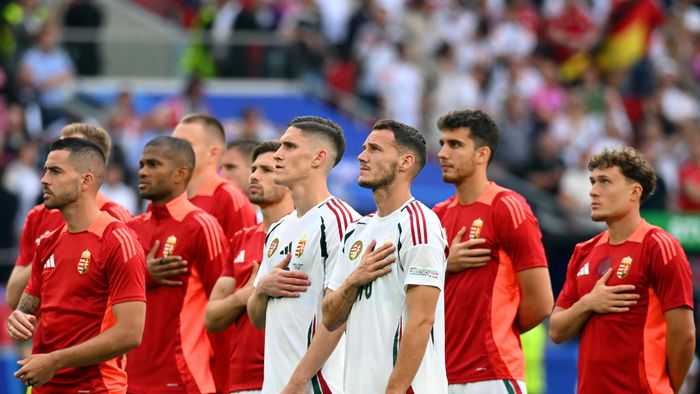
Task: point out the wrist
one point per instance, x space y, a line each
57 360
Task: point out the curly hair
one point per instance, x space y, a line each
632 164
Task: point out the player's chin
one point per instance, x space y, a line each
598 216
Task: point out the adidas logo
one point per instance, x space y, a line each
50 263
287 249
240 258
583 271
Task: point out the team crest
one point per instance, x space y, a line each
355 250
301 244
624 268
169 247
84 262
273 247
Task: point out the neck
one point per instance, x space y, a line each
198 179
309 193
80 214
391 198
470 189
275 212
621 229
173 195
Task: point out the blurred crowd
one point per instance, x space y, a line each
563 78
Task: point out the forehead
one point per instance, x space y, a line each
266 158
293 134
610 172
233 155
190 132
59 158
156 152
460 133
381 138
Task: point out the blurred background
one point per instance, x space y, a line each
562 78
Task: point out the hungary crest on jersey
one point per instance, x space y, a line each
273 246
355 250
169 247
301 244
84 262
624 268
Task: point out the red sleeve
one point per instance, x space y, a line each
214 251
35 280
669 271
127 266
234 249
117 211
27 240
519 232
569 293
239 213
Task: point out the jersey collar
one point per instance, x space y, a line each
176 208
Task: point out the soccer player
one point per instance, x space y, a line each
227 304
174 356
388 280
497 284
628 290
41 221
218 197
85 302
297 262
236 162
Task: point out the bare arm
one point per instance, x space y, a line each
16 283
226 303
680 344
421 302
536 299
338 304
276 283
566 324
322 345
123 336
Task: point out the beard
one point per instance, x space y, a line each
62 200
384 179
265 199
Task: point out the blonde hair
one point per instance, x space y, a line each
92 133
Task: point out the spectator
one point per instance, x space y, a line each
85 16
22 178
546 166
252 125
168 113
116 189
48 71
401 88
516 135
689 178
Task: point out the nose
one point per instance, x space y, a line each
441 153
278 154
362 157
44 180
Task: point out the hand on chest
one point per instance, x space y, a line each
627 268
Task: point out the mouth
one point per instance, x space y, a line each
254 189
595 205
142 185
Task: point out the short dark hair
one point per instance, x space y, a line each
324 128
92 133
177 149
210 124
266 147
84 154
482 129
245 147
632 164
406 138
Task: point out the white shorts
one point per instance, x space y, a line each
489 387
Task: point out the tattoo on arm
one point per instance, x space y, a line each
28 304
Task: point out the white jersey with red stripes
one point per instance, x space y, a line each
379 315
313 240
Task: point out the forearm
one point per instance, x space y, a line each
257 308
15 285
411 352
337 306
566 324
221 313
679 351
536 299
29 304
111 343
322 345
531 317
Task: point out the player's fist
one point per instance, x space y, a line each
21 326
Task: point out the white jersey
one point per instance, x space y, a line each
291 322
379 315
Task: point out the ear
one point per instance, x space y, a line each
406 162
320 157
637 191
180 175
215 152
86 181
483 154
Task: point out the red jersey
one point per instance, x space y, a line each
626 352
482 338
175 352
78 277
41 221
248 350
223 200
689 174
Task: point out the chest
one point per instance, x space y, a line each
478 221
389 286
174 239
76 266
305 241
629 265
243 259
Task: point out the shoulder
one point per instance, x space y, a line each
508 203
420 221
227 191
339 210
117 211
587 246
659 240
442 207
120 236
